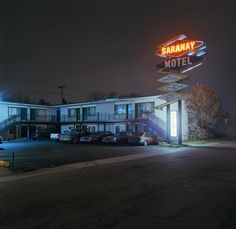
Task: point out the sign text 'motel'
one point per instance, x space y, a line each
180 62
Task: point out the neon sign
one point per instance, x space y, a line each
180 55
178 48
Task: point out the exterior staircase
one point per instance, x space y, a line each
5 124
158 125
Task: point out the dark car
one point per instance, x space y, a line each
1 139
40 135
121 138
75 137
95 137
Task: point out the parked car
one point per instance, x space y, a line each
120 138
54 136
64 137
145 138
1 139
41 135
75 138
96 137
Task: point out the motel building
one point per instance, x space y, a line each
20 121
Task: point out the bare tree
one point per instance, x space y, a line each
205 111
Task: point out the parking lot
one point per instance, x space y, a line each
187 187
29 155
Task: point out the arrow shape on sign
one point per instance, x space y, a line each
173 87
172 78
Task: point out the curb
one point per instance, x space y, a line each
4 164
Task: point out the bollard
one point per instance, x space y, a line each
13 160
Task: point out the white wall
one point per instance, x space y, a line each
105 108
3 112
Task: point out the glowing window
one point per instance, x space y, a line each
173 123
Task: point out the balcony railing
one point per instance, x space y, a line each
35 119
106 117
98 117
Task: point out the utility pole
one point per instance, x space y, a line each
62 93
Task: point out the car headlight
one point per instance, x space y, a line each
115 139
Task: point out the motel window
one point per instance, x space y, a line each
13 111
147 107
91 110
123 109
38 113
42 113
120 128
74 112
120 109
89 113
71 112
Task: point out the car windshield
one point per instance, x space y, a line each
138 134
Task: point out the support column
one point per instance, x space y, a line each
168 123
28 131
180 122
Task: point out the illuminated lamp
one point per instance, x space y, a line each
173 123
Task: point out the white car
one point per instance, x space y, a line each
145 138
54 136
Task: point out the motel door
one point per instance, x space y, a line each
23 114
58 115
23 131
32 130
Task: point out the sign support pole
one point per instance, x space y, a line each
168 123
180 122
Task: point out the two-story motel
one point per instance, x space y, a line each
18 120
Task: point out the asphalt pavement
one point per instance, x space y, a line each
30 155
193 187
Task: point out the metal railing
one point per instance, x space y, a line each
156 123
105 117
27 119
8 122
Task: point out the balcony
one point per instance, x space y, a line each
106 117
35 119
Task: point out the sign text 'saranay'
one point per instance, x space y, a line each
178 48
178 62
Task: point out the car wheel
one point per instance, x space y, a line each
74 141
145 143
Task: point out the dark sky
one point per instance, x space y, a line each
109 45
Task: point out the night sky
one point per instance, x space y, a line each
109 45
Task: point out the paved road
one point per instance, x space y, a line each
192 188
38 154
